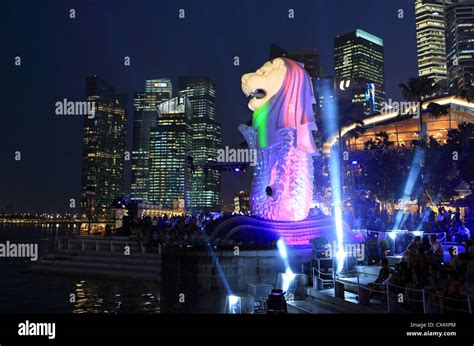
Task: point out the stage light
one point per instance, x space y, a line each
417 233
354 162
392 235
233 305
276 303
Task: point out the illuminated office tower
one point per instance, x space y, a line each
205 193
241 201
170 144
430 40
460 47
359 57
103 149
145 117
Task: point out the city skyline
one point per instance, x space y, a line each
207 158
230 102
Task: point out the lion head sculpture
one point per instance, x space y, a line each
281 96
282 103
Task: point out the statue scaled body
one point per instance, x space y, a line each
282 100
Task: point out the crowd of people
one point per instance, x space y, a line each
447 221
423 265
173 230
447 282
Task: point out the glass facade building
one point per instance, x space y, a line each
145 117
359 56
241 201
103 149
430 40
403 131
205 179
460 47
170 147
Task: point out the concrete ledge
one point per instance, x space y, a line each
91 273
103 266
106 259
116 254
347 307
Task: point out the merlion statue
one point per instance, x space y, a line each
282 103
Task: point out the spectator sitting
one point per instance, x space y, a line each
413 283
460 232
440 219
436 251
440 288
413 247
400 277
155 237
432 278
467 289
417 261
383 274
425 244
470 248
453 255
463 263
454 285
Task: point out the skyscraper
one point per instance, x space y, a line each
145 118
170 145
359 57
460 47
103 148
205 193
430 40
241 201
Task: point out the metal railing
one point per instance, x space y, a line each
100 245
365 230
428 297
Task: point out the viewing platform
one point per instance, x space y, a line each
117 258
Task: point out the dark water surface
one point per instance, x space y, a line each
23 292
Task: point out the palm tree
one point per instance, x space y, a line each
349 113
381 141
419 89
467 95
356 132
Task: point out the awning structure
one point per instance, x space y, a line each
454 100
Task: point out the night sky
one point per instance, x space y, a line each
58 53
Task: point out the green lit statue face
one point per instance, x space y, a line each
264 83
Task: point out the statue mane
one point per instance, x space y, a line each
290 107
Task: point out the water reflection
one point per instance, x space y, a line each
113 298
22 292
